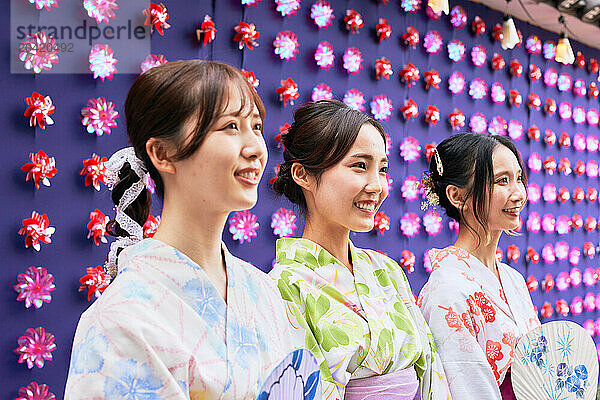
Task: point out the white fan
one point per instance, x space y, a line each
556 361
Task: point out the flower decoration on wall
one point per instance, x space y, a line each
100 10
535 73
381 107
35 60
409 74
478 123
411 37
151 226
549 50
287 7
246 35
574 255
283 222
37 230
156 17
549 165
478 89
151 61
250 2
563 225
534 134
579 115
591 142
513 253
288 91
390 182
564 110
497 33
593 91
579 168
34 287
458 17
478 26
33 391
35 347
99 116
456 50
96 280
410 149
548 223
353 60
478 55
410 6
549 137
456 119
322 13
534 163
564 166
564 82
324 55
243 226
47 4
251 78
515 98
576 221
432 79
322 92
533 44
593 66
433 42
354 21
40 170
548 254
382 222
208 29
563 195
39 110
592 117
286 45
410 224
591 194
384 30
409 109
579 88
550 77
534 102
432 115
498 62
97 227
515 129
498 126
516 69
591 169
432 221
410 188
102 62
383 68
580 60
497 93
550 106
94 171
456 82
355 99
532 283
534 222
407 260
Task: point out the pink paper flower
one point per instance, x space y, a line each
592 117
534 193
383 68
591 169
550 77
381 107
283 222
548 255
456 50
102 62
563 225
498 126
564 82
548 223
579 88
151 61
286 45
433 42
355 99
97 226
576 277
40 169
478 55
288 91
37 229
579 142
591 143
353 60
287 7
96 280
251 78
534 222
478 123
411 188
589 303
354 21
33 391
497 93
250 2
574 255
432 221
534 102
322 13
565 111
410 224
456 83
410 149
578 115
458 17
47 4
324 55
322 92
410 6
515 129
390 182
156 17
534 162
534 45
94 171
576 221
561 250
478 89
381 222
243 226
549 49
101 10
407 260
99 116
38 51
591 195
549 193
35 346
34 286
246 35
589 277
151 226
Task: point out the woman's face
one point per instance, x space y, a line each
224 172
349 194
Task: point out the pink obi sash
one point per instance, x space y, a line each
399 385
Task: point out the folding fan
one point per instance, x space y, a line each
295 378
556 361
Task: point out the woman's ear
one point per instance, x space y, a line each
301 177
158 152
456 196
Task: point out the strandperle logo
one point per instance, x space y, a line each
75 33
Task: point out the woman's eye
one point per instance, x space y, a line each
384 170
520 178
232 125
361 165
258 127
502 180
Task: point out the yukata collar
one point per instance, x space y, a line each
311 254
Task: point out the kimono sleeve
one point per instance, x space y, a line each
460 339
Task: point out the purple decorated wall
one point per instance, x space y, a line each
68 202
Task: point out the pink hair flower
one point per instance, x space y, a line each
550 106
156 17
381 222
548 223
34 287
33 391
151 226
246 35
579 142
102 62
99 116
324 55
516 69
549 193
151 61
355 99
410 224
37 229
97 227
410 149
433 42
288 91
287 7
322 13
383 68
286 45
352 60
322 92
283 222
40 169
35 347
381 107
39 52
243 226
411 188
39 110
432 221
101 10
96 280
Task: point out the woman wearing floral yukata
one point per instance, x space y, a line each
359 313
477 307
183 318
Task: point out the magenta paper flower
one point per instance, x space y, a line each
102 62
355 99
592 143
322 92
410 224
565 82
456 50
34 286
411 188
550 77
589 302
534 222
283 222
97 226
38 52
286 45
410 149
515 129
549 49
381 107
497 93
563 225
590 277
433 42
153 60
574 255
579 88
390 182
578 115
33 391
549 193
456 83
592 117
548 254
577 305
591 169
41 169
427 262
243 225
548 223
250 2
454 226
561 249
287 7
322 13
534 193
576 277
478 89
35 346
478 123
388 144
478 55
565 110
533 44
37 230
458 17
324 55
498 126
99 116
534 162
353 60
410 6
579 142
432 221
101 10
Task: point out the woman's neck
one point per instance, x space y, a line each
334 240
484 252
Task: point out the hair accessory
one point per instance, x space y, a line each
438 162
432 199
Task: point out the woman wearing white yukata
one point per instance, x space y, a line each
357 307
477 307
183 318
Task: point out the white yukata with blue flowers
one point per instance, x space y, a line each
161 330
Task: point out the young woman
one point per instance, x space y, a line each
357 307
477 308
183 318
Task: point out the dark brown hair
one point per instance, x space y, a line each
320 136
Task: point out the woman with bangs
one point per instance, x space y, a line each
477 307
183 318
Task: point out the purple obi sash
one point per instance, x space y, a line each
399 385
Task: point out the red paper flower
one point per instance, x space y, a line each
550 106
409 109
246 35
288 91
534 102
513 253
579 168
516 69
580 60
39 110
36 229
547 310
151 226
590 224
353 20
94 170
411 37
478 26
532 283
384 30
498 62
97 226
432 79
515 98
251 78
429 148
548 283
534 73
593 66
41 169
457 119
382 222
156 17
593 90
383 68
409 74
564 166
282 131
208 29
407 260
96 281
432 115
591 195
35 346
497 33
564 140
534 133
532 256
33 391
562 308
